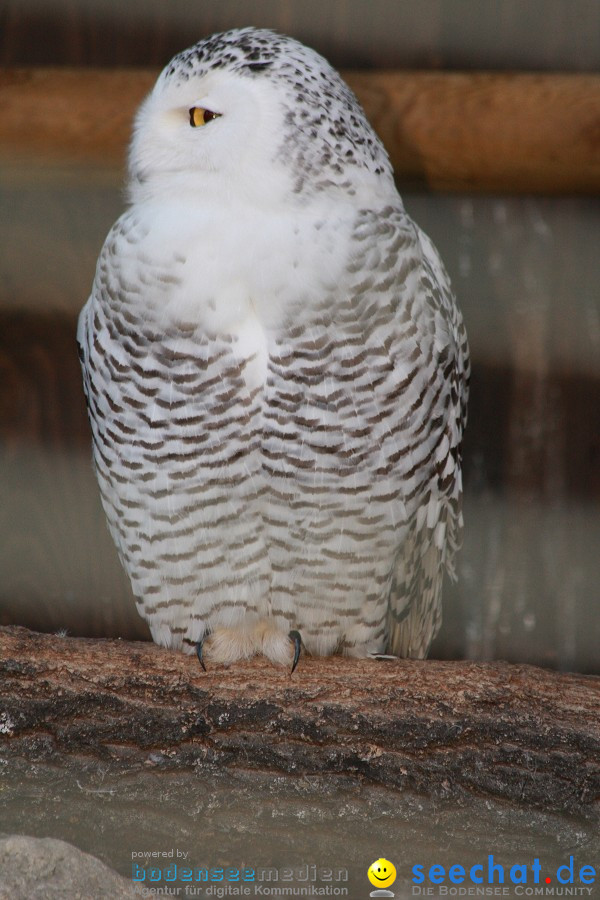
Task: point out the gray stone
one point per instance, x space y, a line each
32 868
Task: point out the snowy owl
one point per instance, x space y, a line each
275 368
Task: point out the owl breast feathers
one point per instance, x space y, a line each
275 368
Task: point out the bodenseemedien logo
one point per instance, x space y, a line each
183 879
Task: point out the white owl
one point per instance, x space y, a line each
275 368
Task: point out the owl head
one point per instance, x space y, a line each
254 112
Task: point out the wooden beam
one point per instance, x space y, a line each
453 729
448 131
488 132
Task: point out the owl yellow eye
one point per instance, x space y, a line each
200 116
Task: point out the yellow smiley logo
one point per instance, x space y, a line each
382 873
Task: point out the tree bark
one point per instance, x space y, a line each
445 729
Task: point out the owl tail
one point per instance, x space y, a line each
415 607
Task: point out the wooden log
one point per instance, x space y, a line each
451 131
445 729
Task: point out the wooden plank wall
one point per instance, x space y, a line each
519 35
525 269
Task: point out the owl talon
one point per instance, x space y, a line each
296 640
199 647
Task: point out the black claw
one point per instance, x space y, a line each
199 647
296 640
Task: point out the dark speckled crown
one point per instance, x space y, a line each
327 132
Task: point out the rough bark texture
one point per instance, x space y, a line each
449 729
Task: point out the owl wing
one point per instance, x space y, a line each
435 526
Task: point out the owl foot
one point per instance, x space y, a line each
225 646
275 644
228 645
